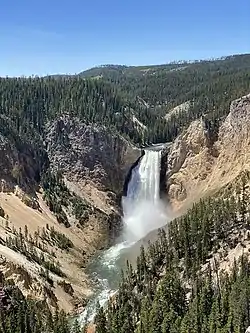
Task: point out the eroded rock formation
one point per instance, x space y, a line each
94 163
90 152
200 162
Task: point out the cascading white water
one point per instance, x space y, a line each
142 208
142 213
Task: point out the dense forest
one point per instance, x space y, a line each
28 104
210 86
18 314
177 285
133 102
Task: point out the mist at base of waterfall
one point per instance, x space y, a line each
139 220
143 217
143 212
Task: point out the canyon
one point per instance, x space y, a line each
94 163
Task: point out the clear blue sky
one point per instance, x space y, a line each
58 36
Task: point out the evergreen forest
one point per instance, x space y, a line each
178 284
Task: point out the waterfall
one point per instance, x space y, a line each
142 208
145 179
143 212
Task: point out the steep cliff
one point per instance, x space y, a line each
201 161
19 163
53 222
90 153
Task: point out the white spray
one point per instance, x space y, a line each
143 212
142 208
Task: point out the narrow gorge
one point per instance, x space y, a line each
143 212
150 201
94 166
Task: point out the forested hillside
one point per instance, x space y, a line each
114 100
210 86
88 124
185 282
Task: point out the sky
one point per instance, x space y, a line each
40 37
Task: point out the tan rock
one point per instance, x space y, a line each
198 166
90 153
25 198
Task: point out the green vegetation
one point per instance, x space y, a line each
33 250
26 316
80 210
61 240
60 200
56 195
210 86
56 238
177 286
27 104
2 213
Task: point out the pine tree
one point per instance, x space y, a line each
100 320
76 327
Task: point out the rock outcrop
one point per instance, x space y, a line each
8 159
94 162
20 164
90 152
198 163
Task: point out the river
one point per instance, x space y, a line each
143 211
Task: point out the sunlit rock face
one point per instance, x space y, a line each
90 152
201 161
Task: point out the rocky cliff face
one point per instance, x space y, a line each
90 152
17 165
198 164
94 163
